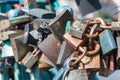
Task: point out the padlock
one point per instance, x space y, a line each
76 74
58 25
115 26
30 59
19 48
65 51
107 42
5 35
50 47
72 41
46 60
4 24
78 28
118 50
41 13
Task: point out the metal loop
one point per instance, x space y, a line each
93 52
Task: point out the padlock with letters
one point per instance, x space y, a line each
78 28
31 58
19 48
50 47
107 42
58 25
65 51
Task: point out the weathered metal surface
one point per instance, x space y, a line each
115 26
78 28
118 50
107 42
19 48
58 25
50 47
74 42
4 24
65 51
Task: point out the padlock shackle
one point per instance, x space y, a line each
91 53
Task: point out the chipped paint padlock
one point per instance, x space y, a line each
19 48
115 26
77 74
65 51
58 25
107 42
78 28
31 58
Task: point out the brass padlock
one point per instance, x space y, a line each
50 47
30 59
78 28
72 41
58 25
19 48
4 24
65 51
5 35
115 26
106 38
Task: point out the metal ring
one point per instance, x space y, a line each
91 53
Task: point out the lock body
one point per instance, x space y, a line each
58 25
107 42
78 28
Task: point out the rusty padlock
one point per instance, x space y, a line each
65 51
31 58
78 28
58 25
72 41
19 48
106 38
50 47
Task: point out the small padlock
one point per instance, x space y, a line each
115 26
4 24
65 51
78 28
50 47
19 48
107 42
72 41
77 74
58 25
30 59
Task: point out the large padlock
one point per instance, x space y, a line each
78 28
4 24
107 42
72 41
50 47
30 59
58 25
115 26
118 50
65 51
19 48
